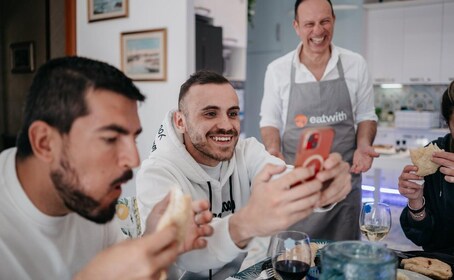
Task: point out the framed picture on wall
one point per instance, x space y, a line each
106 9
22 57
144 54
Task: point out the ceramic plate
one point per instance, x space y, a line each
413 275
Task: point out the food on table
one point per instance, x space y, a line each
421 157
432 268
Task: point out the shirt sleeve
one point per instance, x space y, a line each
419 232
271 108
365 108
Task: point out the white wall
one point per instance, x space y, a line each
101 40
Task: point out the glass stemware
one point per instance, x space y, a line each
375 220
290 254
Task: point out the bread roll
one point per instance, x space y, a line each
433 268
421 157
178 212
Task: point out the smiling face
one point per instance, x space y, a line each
97 155
209 120
314 24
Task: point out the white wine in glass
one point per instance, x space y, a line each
375 220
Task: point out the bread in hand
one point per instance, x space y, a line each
178 212
422 158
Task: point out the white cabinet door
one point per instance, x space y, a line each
447 53
422 44
385 44
232 16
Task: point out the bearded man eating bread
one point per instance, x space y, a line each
428 220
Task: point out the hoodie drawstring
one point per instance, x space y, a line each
211 200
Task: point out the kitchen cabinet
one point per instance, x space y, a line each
410 42
447 53
422 44
385 29
231 15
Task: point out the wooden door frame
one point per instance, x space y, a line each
70 28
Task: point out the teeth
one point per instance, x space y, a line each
317 40
221 139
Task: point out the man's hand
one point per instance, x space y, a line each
362 159
446 160
409 189
335 175
198 227
273 205
142 258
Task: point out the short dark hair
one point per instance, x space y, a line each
58 91
447 102
298 2
200 77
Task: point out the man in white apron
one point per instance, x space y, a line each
320 84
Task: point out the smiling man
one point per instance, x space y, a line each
327 86
198 149
59 187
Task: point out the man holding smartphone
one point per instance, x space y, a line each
198 149
320 84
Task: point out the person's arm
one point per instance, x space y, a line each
142 258
364 153
417 227
272 141
271 111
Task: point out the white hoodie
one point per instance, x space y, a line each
170 164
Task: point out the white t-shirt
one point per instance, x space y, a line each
36 246
277 85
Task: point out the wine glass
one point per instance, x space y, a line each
375 220
290 254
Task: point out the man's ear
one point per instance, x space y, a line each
179 121
295 26
44 140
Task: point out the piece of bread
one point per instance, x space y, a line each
178 212
314 249
401 276
432 268
421 157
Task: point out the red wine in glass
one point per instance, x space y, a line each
291 269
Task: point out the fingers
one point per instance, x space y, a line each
332 160
293 178
335 170
161 248
268 171
337 190
200 205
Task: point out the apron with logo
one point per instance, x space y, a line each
325 103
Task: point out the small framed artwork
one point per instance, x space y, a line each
144 54
106 9
22 57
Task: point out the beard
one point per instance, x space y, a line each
67 184
202 146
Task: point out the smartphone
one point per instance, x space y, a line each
314 147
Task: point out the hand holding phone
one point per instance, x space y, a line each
314 147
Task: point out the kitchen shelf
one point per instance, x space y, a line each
407 3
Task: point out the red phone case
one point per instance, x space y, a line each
314 147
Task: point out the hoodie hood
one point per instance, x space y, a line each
169 147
